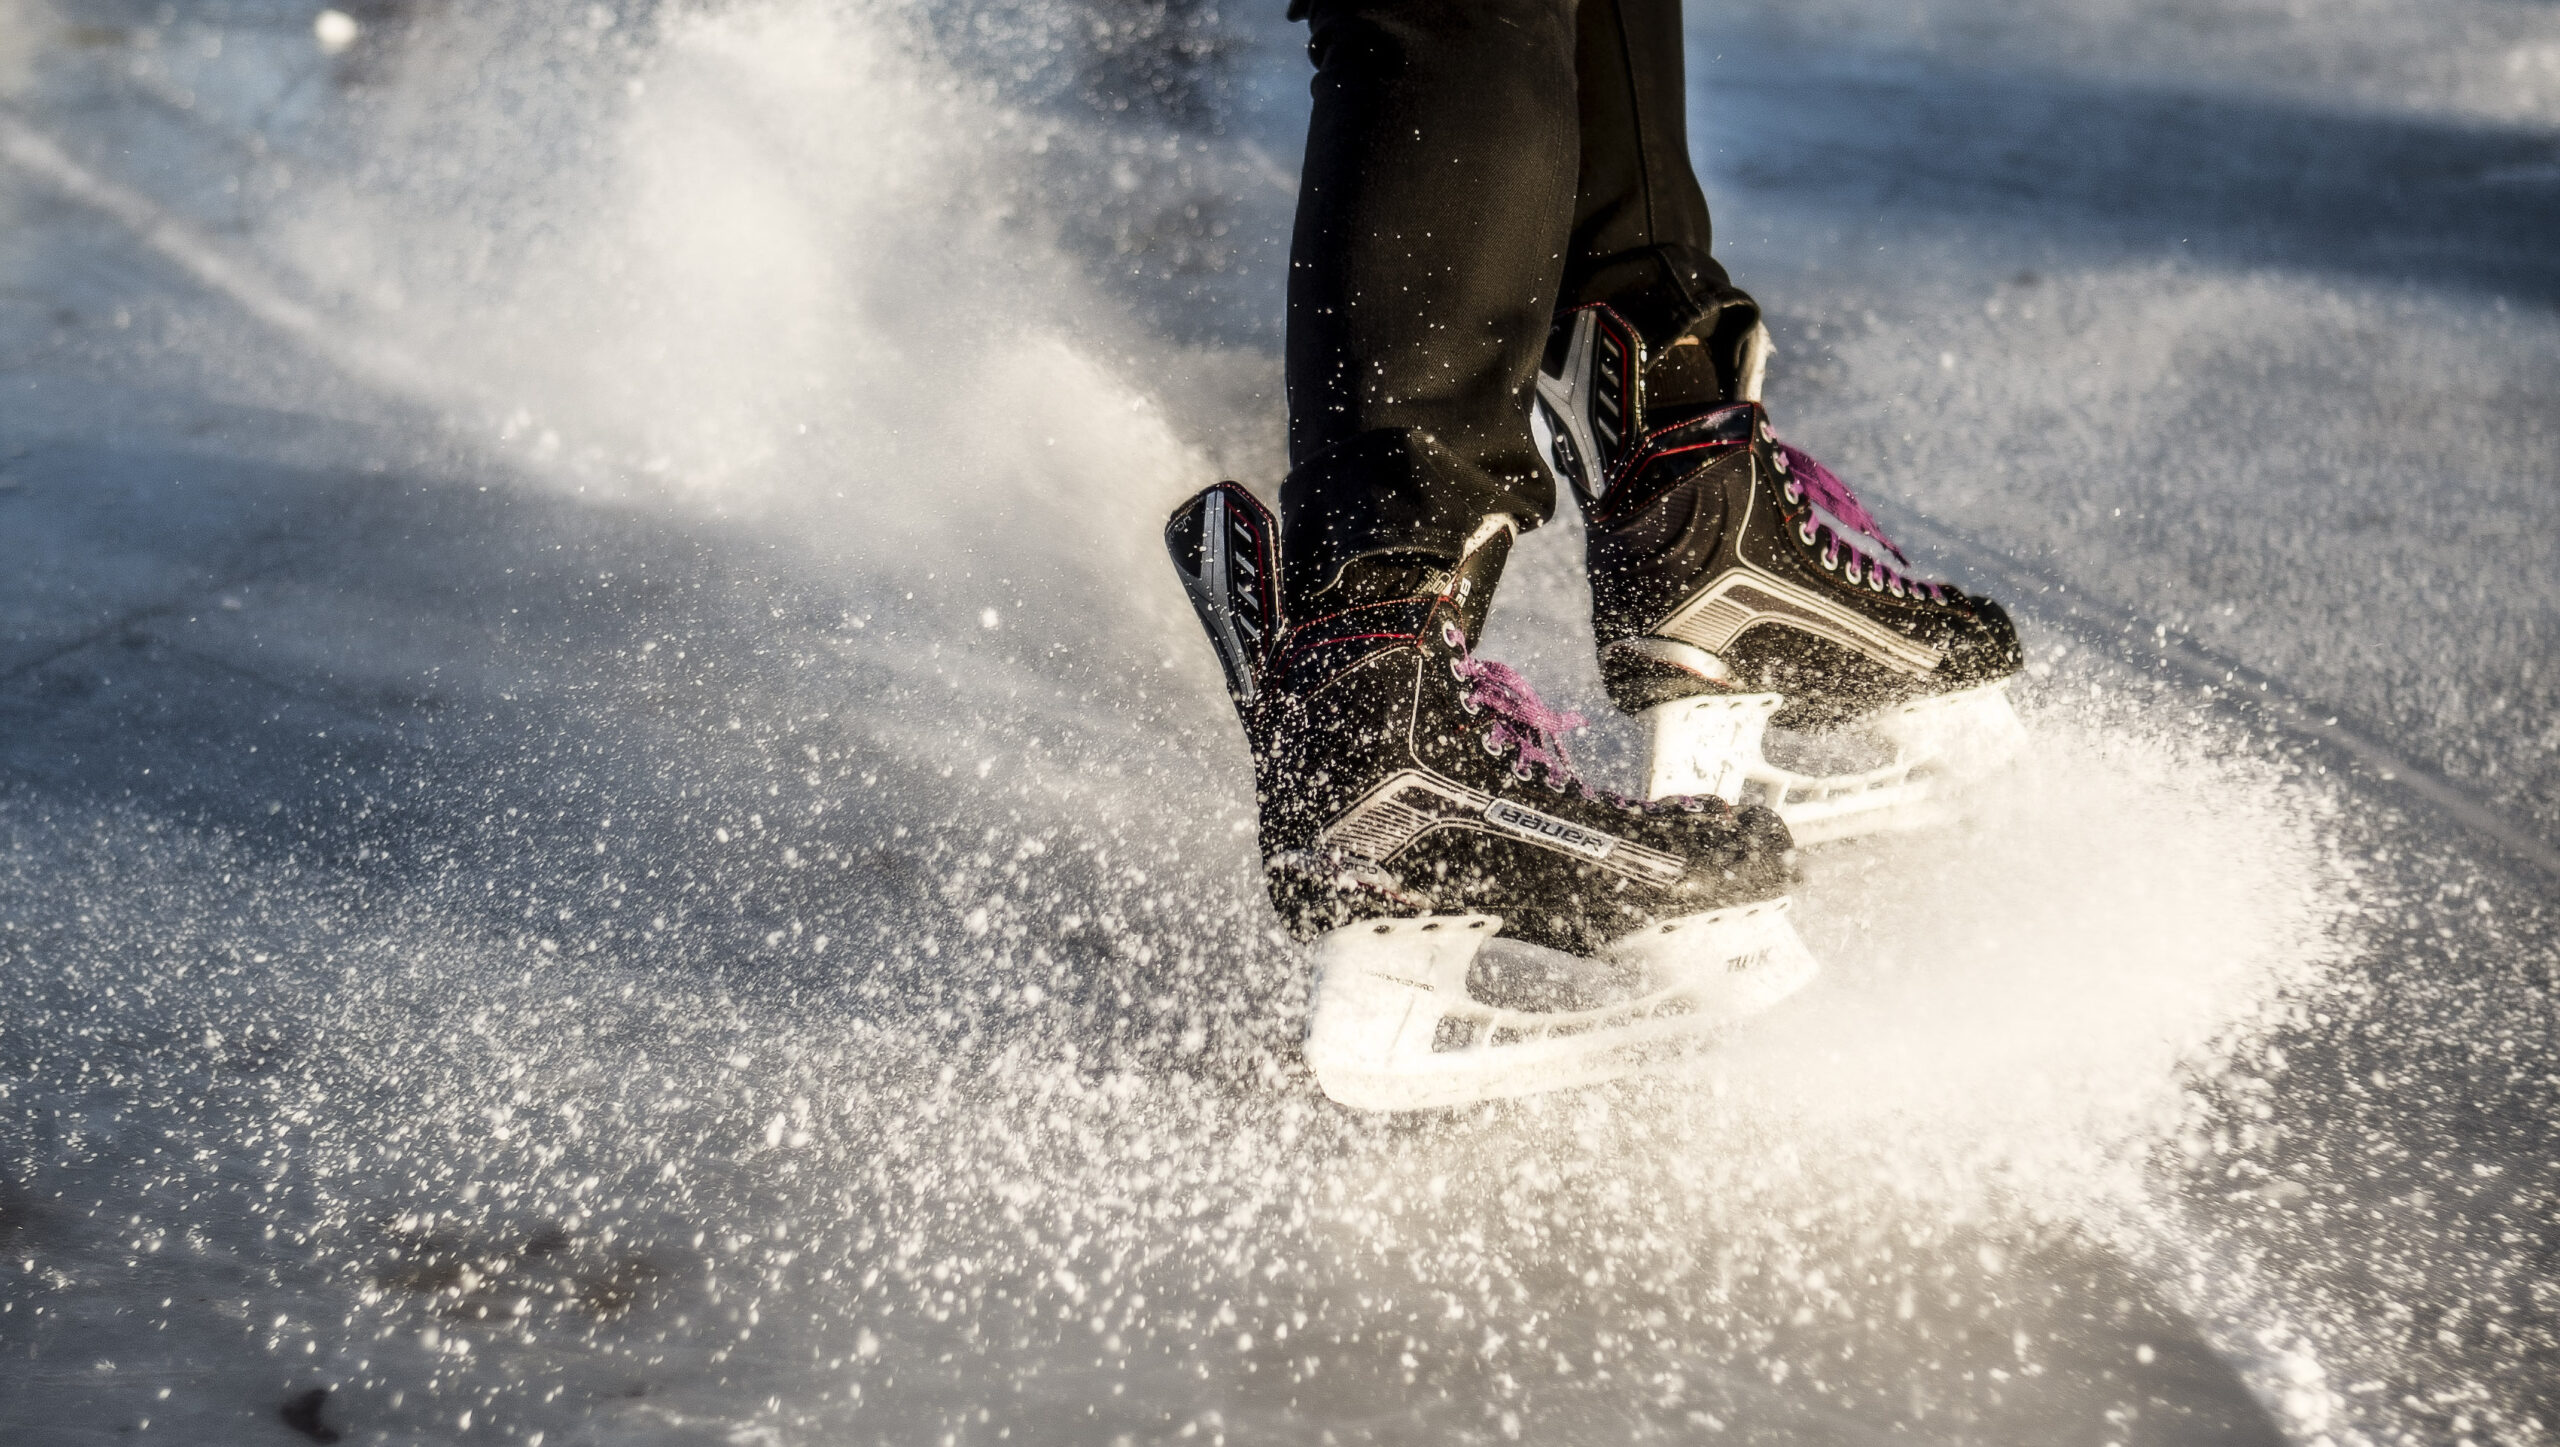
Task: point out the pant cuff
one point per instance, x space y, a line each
1389 491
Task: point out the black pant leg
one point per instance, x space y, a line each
1436 199
1642 240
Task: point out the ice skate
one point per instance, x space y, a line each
1736 584
1484 923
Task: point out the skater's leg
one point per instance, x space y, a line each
1437 193
1735 582
1642 242
1417 803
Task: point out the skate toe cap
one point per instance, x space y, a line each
1983 647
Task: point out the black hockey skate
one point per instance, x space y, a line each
1419 812
1736 583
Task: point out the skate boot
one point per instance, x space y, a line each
1736 584
1484 922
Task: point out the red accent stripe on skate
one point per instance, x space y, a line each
1621 494
1653 458
1360 608
1293 654
1692 421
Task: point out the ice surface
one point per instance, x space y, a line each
625 838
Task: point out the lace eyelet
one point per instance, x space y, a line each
1896 588
1493 743
1520 772
1456 671
1469 704
1804 531
1795 493
1851 571
1453 635
1778 460
1875 577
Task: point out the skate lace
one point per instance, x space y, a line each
1522 721
1848 535
1534 730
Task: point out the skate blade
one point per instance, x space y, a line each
1713 745
1396 1028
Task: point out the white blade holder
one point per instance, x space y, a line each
1711 744
1395 1027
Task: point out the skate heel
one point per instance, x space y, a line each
1226 549
1397 1027
1711 744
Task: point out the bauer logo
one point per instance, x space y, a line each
1513 819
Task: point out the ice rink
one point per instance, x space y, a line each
613 831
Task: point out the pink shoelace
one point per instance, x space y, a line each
1834 496
1531 728
1522 721
1807 478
